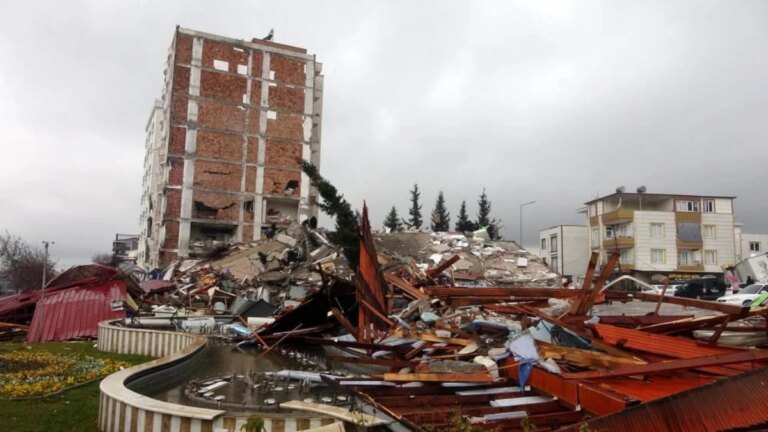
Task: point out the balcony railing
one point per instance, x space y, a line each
690 267
618 216
619 242
689 244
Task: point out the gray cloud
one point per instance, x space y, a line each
546 101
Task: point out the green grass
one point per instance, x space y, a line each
73 410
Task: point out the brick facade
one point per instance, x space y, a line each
214 128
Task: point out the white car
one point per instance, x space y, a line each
746 296
670 289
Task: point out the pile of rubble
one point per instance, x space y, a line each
515 357
481 262
281 271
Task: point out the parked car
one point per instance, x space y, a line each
746 295
671 289
706 288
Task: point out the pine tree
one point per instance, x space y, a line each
441 219
484 211
415 221
393 221
464 224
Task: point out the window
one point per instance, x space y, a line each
609 232
622 231
553 265
710 257
595 237
684 258
658 256
543 244
553 243
687 206
708 231
657 230
754 246
221 65
242 69
709 206
626 256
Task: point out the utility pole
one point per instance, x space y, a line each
42 289
521 222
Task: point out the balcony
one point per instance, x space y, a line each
619 243
689 244
618 216
690 268
626 268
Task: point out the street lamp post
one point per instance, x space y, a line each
42 289
521 221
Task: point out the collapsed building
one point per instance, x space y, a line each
225 144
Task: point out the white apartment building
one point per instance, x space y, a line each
679 236
565 249
748 245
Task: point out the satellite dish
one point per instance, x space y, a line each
641 189
620 189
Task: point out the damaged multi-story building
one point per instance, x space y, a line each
225 144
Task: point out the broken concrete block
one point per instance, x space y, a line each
443 333
286 240
429 317
489 364
455 366
436 258
481 236
441 248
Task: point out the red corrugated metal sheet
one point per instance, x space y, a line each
737 403
11 303
671 346
74 313
156 286
654 386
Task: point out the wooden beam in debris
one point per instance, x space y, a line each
672 365
371 288
595 342
441 291
432 338
626 320
490 301
686 324
371 361
404 285
587 303
587 283
400 349
343 321
480 377
701 304
434 271
376 314
584 358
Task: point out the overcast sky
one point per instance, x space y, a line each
548 101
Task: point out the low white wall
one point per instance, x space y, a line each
123 410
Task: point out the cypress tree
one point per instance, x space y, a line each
415 211
441 219
393 220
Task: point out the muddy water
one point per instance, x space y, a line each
220 359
